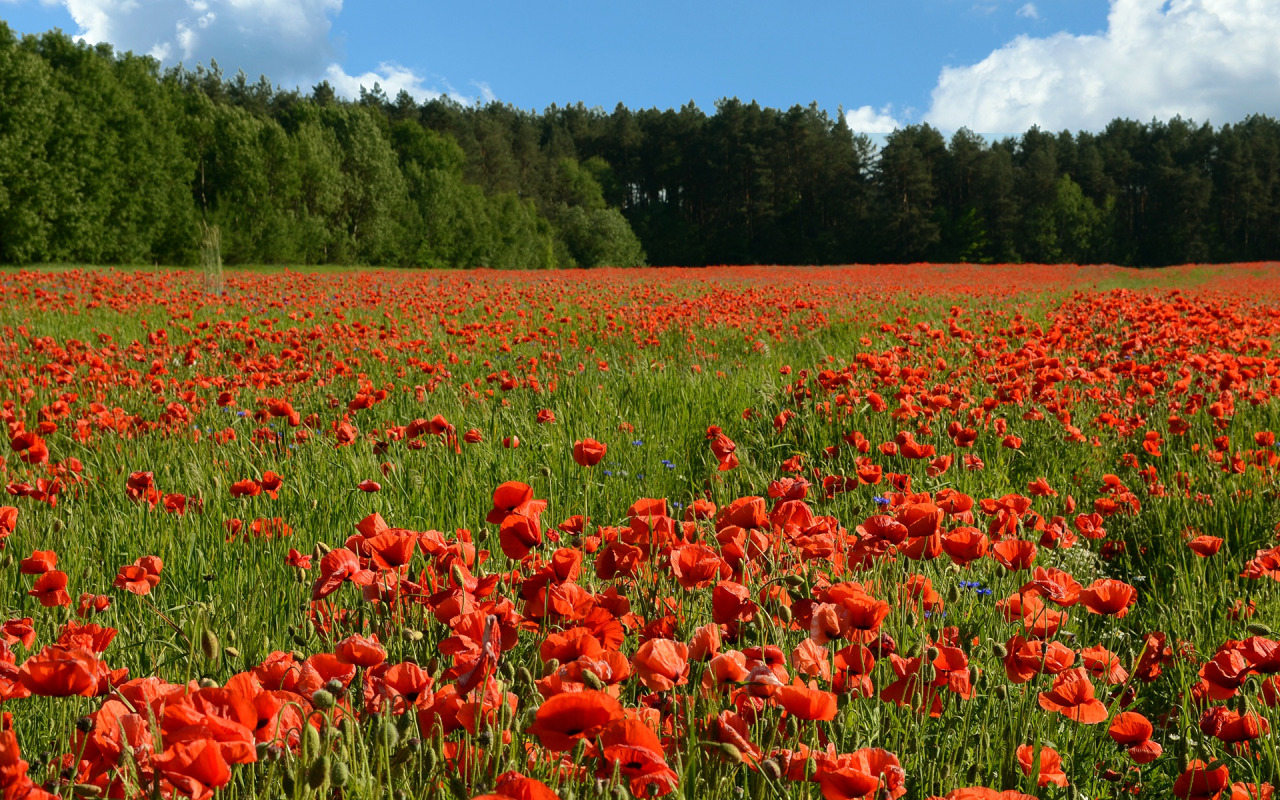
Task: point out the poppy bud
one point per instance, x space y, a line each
431 760
411 634
260 750
524 676
334 687
310 740
974 674
784 615
771 769
953 594
208 683
286 783
298 655
209 644
592 680
318 773
619 792
84 724
1001 692
1258 629
339 774
551 667
932 653
731 752
456 573
387 735
231 652
794 581
793 728
1000 650
322 699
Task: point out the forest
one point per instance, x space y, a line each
108 158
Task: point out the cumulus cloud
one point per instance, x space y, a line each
289 41
869 120
1208 60
393 79
286 40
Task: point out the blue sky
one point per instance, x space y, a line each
990 65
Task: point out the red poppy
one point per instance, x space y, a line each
1199 782
1111 597
565 718
50 589
58 671
662 664
807 702
1049 770
1072 696
195 767
361 651
588 452
39 562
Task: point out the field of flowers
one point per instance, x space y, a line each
927 531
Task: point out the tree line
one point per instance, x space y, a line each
107 158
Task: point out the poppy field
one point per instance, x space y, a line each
741 533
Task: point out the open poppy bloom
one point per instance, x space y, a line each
1072 696
565 718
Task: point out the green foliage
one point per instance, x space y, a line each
105 159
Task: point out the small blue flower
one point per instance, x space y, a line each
638 442
608 473
881 501
670 465
242 413
639 476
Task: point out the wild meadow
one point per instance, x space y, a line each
865 532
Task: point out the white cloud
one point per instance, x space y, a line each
289 41
1029 11
286 40
392 78
868 120
1208 60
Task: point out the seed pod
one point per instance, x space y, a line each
334 687
310 740
318 773
772 769
340 774
84 724
1258 629
784 614
619 792
592 680
209 645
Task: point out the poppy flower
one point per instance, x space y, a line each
1050 766
50 589
807 702
1014 554
39 562
369 486
361 651
18 630
247 487
1110 597
195 767
565 718
661 664
1199 782
58 671
1205 546
588 452
1072 695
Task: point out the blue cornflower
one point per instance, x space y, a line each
881 501
638 442
608 473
